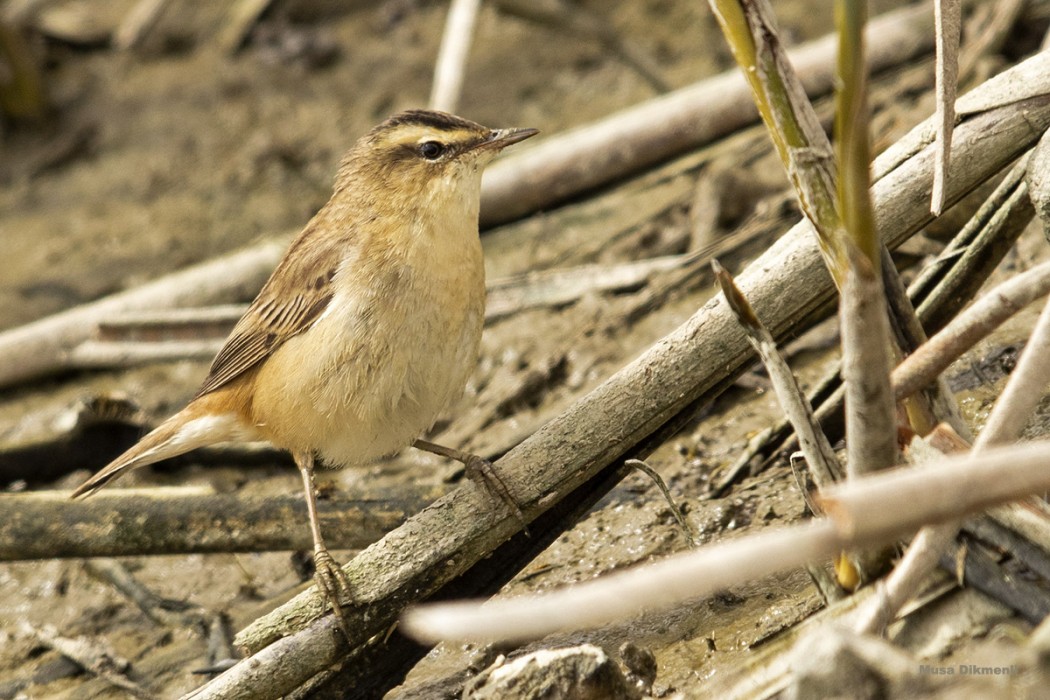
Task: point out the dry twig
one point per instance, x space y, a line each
819 455
864 511
138 23
1012 410
941 289
162 611
452 57
985 315
948 18
44 347
94 657
688 530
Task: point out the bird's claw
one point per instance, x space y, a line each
482 471
334 586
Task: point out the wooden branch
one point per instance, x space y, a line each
133 522
452 57
701 357
137 24
94 354
871 420
137 337
1012 410
863 512
558 167
1037 178
44 347
948 18
984 316
819 455
940 291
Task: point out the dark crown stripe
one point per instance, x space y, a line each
435 120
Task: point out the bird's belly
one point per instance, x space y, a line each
351 389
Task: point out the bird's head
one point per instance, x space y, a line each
426 155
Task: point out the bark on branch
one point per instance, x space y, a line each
131 522
45 346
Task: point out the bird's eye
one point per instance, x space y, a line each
432 150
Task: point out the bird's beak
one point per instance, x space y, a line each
501 138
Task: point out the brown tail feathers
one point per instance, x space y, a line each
186 430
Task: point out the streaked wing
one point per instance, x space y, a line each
290 301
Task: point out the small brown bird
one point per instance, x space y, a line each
369 326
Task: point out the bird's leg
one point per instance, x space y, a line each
480 471
328 575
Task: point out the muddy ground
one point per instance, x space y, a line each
173 153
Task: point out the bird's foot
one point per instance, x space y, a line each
483 472
334 586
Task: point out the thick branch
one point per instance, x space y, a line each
44 347
130 522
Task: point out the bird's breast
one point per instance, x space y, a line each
393 349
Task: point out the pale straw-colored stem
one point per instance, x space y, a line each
1012 410
452 58
863 511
